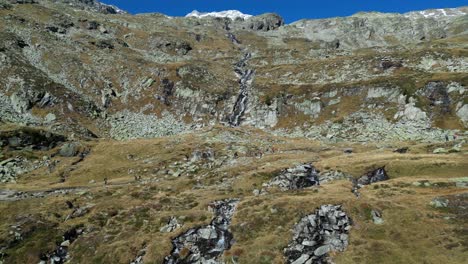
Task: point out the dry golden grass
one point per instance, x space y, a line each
127 215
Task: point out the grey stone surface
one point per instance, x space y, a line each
206 243
315 235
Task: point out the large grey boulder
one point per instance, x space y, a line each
69 149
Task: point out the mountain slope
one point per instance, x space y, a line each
231 138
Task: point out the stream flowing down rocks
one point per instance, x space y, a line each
245 82
317 234
206 243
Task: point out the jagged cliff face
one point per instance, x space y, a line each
90 69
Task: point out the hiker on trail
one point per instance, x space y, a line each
105 181
455 136
446 137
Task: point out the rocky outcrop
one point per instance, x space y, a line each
265 22
206 243
9 169
371 177
29 138
317 234
296 178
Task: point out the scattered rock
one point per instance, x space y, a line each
317 234
172 225
461 182
401 150
440 151
81 211
377 217
348 150
439 202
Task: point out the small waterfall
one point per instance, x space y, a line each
245 81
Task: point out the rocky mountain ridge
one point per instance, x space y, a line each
341 60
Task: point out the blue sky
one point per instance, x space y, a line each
290 10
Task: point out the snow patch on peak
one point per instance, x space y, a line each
232 14
436 13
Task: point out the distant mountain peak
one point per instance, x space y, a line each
232 14
437 13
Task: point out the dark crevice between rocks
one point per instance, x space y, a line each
206 243
317 234
61 253
376 175
245 81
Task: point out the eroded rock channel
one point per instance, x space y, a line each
245 81
206 243
317 234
